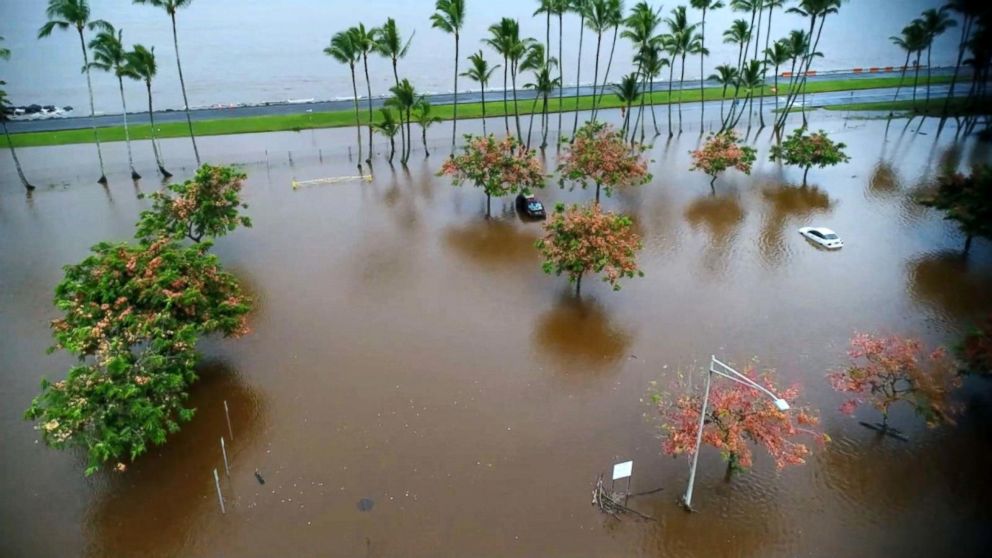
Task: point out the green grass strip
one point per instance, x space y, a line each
338 119
959 106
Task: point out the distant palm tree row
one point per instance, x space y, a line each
741 80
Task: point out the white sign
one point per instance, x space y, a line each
622 470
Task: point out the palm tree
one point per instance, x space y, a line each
63 14
817 12
4 106
934 23
913 40
598 21
558 8
750 81
615 20
365 42
726 75
627 92
580 8
738 34
170 7
640 28
970 11
449 17
519 51
771 5
108 55
685 40
425 118
651 63
389 43
775 56
543 85
140 65
704 6
404 97
344 50
480 72
503 36
533 61
388 127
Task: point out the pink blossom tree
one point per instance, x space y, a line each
499 167
887 370
721 152
600 155
738 417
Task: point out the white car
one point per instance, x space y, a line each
822 236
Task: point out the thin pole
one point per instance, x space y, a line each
687 499
220 497
227 414
223 450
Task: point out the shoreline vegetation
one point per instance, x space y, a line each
345 118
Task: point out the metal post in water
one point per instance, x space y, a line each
227 414
687 499
220 497
223 450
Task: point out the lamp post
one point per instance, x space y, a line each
721 369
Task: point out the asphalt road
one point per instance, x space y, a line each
76 122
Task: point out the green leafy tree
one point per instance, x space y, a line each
975 351
628 93
639 29
140 65
75 14
364 40
480 72
584 239
966 200
449 16
424 114
704 6
651 62
934 23
498 167
388 127
808 150
109 56
171 7
404 98
208 205
913 40
685 40
389 43
775 56
726 75
344 50
4 107
132 315
503 37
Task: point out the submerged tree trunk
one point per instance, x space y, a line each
127 134
484 109
606 75
182 85
89 87
368 86
454 122
358 120
595 74
805 173
403 139
561 76
702 76
13 153
151 119
578 285
578 75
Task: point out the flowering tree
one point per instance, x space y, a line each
809 150
721 152
888 370
600 155
976 349
585 239
738 416
132 315
499 167
967 200
207 205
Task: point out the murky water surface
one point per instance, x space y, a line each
410 354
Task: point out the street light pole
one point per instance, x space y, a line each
730 374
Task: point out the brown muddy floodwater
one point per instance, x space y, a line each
410 352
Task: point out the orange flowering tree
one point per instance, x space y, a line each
207 205
499 167
579 240
889 370
723 151
976 349
600 155
737 417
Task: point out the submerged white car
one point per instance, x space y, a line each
822 236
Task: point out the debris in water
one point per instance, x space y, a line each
258 476
365 504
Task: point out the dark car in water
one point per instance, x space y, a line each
530 206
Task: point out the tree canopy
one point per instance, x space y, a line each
600 155
805 151
966 200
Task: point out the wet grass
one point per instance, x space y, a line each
959 106
494 108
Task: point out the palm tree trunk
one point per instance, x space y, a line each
358 120
392 147
606 75
796 80
127 135
723 96
484 109
702 77
506 108
764 72
89 86
561 76
595 74
902 76
368 86
916 77
671 75
578 75
182 85
454 123
926 104
776 90
681 85
962 46
578 283
423 134
530 127
403 138
547 122
151 119
654 117
409 134
13 153
516 111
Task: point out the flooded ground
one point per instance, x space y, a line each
410 352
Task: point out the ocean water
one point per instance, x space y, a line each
248 51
